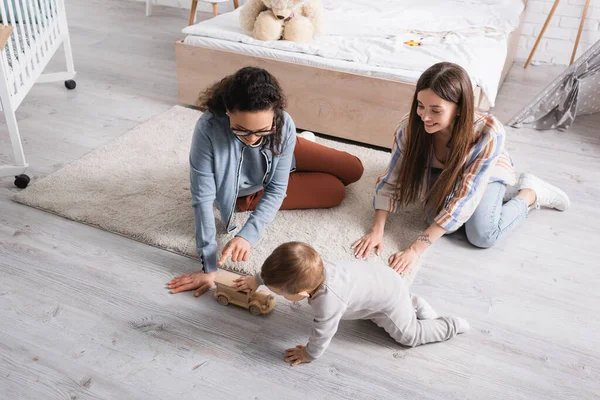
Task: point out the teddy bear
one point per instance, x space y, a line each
295 20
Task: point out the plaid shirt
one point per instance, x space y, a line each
488 161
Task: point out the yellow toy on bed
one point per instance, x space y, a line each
412 43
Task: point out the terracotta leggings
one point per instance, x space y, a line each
319 181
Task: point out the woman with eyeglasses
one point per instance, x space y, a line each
245 155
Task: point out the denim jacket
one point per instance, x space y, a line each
216 160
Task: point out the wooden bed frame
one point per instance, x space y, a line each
342 104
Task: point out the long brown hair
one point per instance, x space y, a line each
250 89
452 83
293 267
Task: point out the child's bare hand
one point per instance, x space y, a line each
296 355
246 282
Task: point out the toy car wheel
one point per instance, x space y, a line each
222 300
254 310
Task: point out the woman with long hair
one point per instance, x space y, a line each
245 155
452 160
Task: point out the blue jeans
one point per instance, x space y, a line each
492 219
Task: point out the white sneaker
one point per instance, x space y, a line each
308 136
547 195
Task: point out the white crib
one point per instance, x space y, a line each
39 27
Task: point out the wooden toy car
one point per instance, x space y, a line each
259 302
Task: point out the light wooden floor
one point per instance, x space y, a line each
84 314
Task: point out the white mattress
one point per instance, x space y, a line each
367 37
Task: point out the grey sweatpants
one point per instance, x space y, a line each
414 322
358 290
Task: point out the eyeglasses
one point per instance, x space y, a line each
263 132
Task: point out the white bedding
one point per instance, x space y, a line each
367 37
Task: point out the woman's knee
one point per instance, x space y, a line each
481 238
354 170
307 190
335 192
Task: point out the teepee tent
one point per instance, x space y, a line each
575 92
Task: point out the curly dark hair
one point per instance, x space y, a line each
250 89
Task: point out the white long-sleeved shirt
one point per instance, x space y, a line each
351 290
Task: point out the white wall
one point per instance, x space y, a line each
555 47
557 44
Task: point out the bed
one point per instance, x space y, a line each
357 79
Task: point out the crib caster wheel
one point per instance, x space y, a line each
70 84
21 181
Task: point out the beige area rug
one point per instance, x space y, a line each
138 186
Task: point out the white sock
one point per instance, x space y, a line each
463 325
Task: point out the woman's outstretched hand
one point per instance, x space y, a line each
238 248
198 281
403 261
372 240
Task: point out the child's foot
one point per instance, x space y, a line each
546 195
308 136
462 325
422 308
